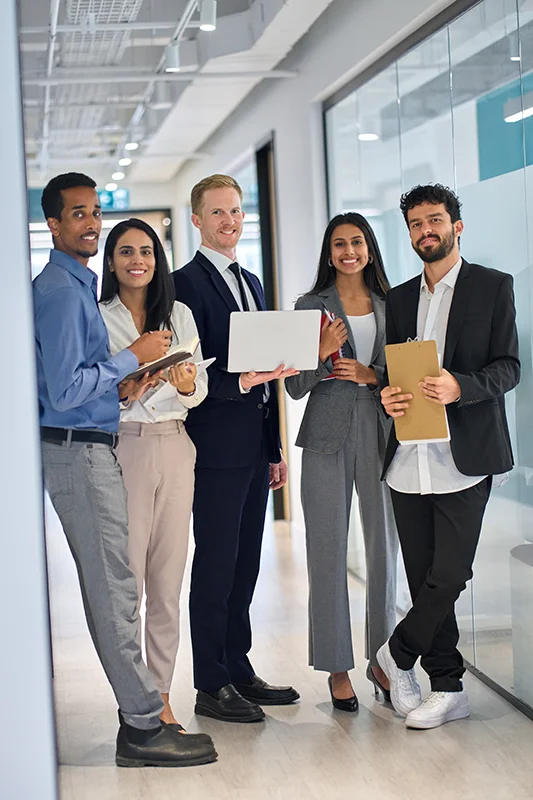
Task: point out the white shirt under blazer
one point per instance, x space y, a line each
161 403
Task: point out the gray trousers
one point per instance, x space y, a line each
327 488
86 488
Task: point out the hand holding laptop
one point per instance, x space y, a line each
249 379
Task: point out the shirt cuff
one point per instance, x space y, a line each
125 362
242 390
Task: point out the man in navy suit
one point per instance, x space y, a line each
236 434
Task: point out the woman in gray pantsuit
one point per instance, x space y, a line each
343 435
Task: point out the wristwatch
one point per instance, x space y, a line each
187 394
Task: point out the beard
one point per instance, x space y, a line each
436 252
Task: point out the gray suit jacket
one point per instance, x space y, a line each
328 413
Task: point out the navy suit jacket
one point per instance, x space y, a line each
229 428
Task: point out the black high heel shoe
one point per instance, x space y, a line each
350 704
377 685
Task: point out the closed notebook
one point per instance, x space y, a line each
175 355
408 364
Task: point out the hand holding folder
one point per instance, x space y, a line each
408 364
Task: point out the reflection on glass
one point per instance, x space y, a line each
249 250
458 110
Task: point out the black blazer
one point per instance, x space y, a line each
228 428
481 351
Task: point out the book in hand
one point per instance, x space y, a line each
408 364
176 355
329 316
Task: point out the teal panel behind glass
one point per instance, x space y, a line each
501 149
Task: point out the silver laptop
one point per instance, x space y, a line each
262 340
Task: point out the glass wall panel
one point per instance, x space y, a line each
458 109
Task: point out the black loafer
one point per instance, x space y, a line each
259 691
227 705
162 747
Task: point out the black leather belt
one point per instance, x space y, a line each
58 435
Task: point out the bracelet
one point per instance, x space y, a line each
187 394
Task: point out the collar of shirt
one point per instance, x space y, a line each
83 274
450 279
219 260
114 302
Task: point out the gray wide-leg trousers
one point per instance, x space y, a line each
327 488
87 491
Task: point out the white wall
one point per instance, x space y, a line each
346 39
27 746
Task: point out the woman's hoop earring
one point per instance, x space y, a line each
330 262
370 259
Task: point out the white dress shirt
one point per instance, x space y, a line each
222 263
430 468
364 336
162 402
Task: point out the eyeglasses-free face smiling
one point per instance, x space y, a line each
349 250
78 230
433 235
220 220
134 259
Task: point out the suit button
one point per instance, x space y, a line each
317 373
260 405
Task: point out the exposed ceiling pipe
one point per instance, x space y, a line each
169 77
179 30
105 26
45 129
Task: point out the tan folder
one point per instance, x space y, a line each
407 365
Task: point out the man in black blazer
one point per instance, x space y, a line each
440 490
236 434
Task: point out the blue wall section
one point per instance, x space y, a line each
501 147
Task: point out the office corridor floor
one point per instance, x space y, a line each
301 751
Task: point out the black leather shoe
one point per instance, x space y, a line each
227 705
259 691
350 704
162 747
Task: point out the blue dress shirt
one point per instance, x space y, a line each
76 376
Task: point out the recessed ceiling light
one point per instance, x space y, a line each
208 15
131 146
368 137
172 58
110 187
117 176
124 162
515 58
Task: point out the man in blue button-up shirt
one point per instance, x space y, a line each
78 385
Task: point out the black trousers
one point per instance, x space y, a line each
229 514
438 536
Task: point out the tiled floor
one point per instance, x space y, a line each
304 751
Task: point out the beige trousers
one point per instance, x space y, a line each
157 461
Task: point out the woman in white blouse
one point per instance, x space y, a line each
343 435
155 453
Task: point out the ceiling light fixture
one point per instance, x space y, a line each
131 146
208 15
368 137
515 58
117 176
124 162
172 59
110 187
518 108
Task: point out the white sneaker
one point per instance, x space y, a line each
438 708
404 689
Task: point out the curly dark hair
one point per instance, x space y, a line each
433 194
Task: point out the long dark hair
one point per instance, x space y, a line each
374 272
160 294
